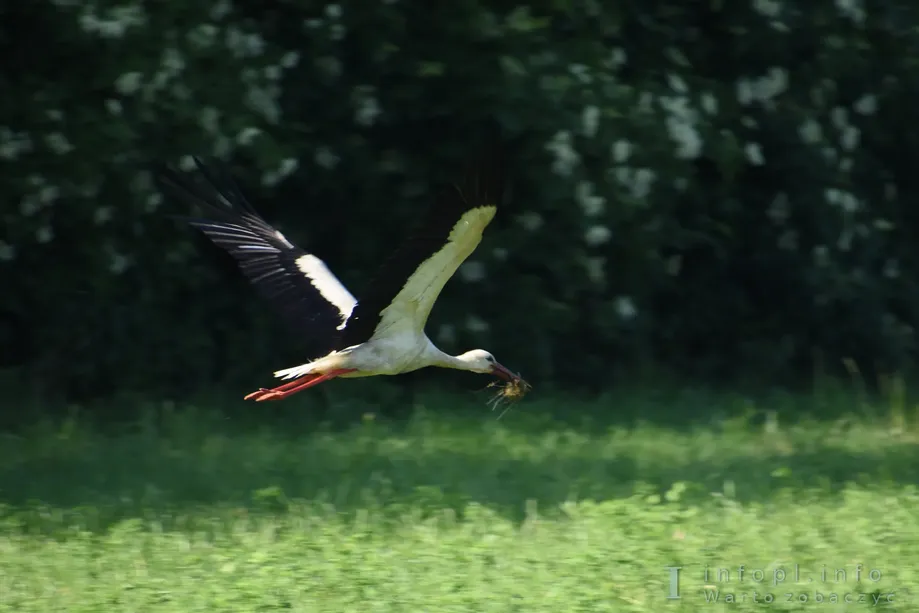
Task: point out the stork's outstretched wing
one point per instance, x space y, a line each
401 297
298 282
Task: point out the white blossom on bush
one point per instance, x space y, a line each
620 151
366 105
531 220
566 158
709 103
58 143
591 204
682 126
590 120
625 307
7 251
13 144
866 105
325 158
247 136
754 154
595 267
446 334
779 209
472 271
44 234
597 235
476 324
851 9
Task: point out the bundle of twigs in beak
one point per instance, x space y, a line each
510 392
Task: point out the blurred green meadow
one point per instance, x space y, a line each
560 505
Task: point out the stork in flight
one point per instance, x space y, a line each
381 334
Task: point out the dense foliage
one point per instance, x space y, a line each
718 187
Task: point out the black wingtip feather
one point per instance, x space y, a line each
267 258
481 182
218 194
482 178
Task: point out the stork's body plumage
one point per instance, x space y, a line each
383 333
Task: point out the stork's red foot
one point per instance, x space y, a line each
297 385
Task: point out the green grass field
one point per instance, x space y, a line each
454 510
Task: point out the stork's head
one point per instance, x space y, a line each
480 361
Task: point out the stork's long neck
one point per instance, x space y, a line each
444 360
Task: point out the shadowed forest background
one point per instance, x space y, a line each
706 265
723 192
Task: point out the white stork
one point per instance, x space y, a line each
381 334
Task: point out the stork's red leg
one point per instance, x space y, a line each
282 388
297 385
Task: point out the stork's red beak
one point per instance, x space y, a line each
503 373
